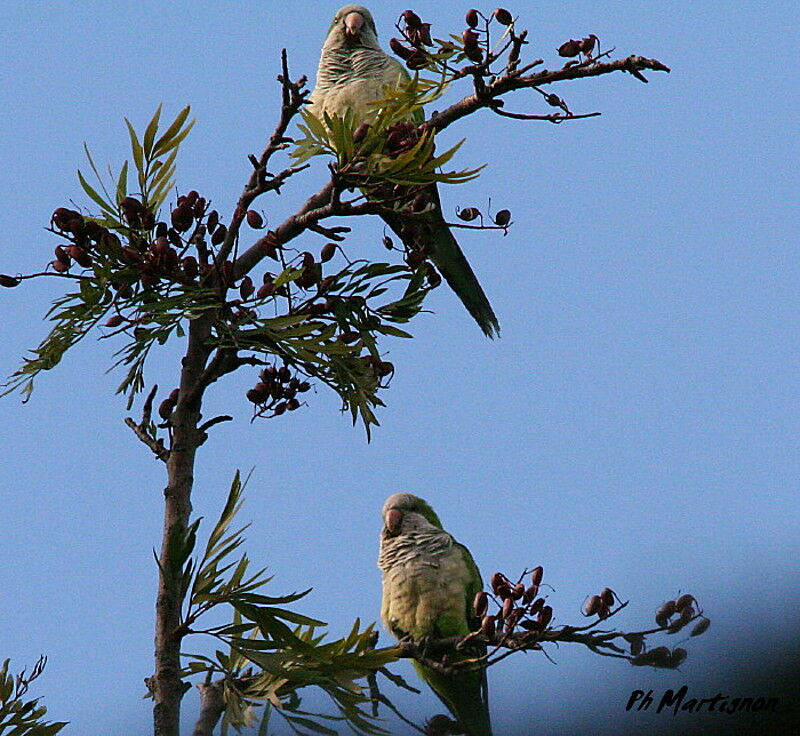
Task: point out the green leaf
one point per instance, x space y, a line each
150 133
94 195
122 182
136 150
171 132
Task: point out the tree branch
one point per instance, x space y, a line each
515 80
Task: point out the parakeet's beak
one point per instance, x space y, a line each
353 23
393 520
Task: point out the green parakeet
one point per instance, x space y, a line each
429 584
353 71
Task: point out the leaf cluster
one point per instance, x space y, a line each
19 717
270 652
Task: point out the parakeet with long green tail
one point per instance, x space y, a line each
353 71
429 585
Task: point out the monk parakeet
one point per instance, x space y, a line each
353 71
429 585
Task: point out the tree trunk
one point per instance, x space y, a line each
168 688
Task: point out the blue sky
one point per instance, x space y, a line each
636 426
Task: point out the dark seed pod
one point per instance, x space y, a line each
508 606
468 214
115 320
569 48
424 34
219 235
181 218
292 404
503 17
80 255
472 18
536 575
608 596
678 657
546 616
529 625
212 221
189 265
537 606
411 18
384 368
488 626
481 604
165 409
59 266
664 613
502 218
399 48
265 290
587 44
417 60
700 627
254 397
636 642
387 242
61 255
8 281
161 230
246 288
303 386
591 605
498 581
326 284
414 259
530 594
518 591
684 601
280 409
470 38
255 220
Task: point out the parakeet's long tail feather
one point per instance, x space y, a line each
465 695
451 262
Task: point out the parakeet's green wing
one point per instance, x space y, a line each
447 254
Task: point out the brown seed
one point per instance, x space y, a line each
417 60
537 606
219 235
189 265
503 17
664 613
700 627
265 290
536 575
481 604
472 18
498 581
61 255
468 214
212 221
8 281
255 220
165 409
608 596
530 594
246 288
387 242
678 657
399 48
115 320
569 48
587 44
59 266
546 615
591 605
181 219
411 18
80 255
684 601
502 218
488 627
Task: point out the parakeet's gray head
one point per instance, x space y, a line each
403 513
353 26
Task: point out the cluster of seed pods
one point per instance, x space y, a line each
517 605
276 392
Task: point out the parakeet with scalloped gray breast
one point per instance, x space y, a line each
353 71
429 585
